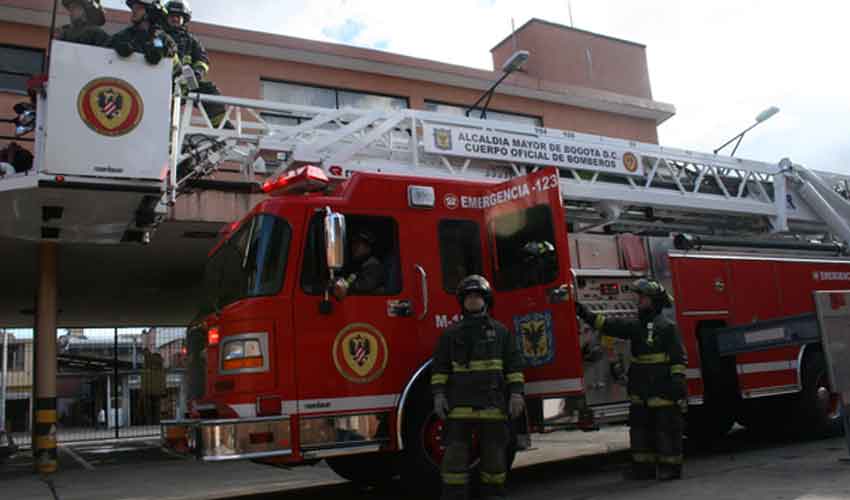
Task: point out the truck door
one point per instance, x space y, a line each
347 357
527 239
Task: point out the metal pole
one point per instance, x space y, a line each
4 383
46 60
45 345
114 394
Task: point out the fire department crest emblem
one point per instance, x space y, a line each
534 338
443 138
110 107
630 161
360 353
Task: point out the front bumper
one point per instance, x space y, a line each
228 439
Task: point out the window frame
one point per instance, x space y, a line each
481 256
243 253
335 90
463 108
35 51
307 254
498 270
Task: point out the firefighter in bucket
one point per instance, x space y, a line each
657 386
477 382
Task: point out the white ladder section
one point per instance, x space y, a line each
625 185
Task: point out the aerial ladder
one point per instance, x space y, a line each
608 184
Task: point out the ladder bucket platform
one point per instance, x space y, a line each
101 150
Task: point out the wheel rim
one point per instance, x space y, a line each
435 446
828 402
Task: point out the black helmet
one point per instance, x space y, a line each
475 283
94 10
155 10
654 290
365 235
180 8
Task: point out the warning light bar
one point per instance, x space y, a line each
306 179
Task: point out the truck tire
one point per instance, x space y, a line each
419 469
716 416
369 469
419 464
816 409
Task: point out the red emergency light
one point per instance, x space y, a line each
213 336
306 179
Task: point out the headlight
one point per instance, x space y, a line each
240 354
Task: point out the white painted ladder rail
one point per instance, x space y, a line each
715 191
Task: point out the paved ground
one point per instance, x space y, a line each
563 466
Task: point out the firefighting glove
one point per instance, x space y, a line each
516 405
124 49
153 54
584 313
441 405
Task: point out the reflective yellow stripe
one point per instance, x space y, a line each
636 400
659 402
607 341
677 369
465 412
515 378
201 65
45 416
642 457
674 460
651 359
454 479
482 365
45 442
439 378
487 478
600 322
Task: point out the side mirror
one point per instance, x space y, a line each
334 240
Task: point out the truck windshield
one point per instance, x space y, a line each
251 263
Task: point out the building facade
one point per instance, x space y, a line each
574 80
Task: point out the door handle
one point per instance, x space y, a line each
423 280
560 294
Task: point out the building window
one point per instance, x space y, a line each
323 97
15 357
17 65
515 266
460 251
501 116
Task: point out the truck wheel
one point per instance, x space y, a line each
369 469
817 408
705 425
424 448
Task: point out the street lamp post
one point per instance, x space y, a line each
763 116
515 62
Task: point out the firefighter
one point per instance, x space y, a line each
145 34
86 20
657 386
477 382
192 53
365 274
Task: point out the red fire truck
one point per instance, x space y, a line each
293 375
284 373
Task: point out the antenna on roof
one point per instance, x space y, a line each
513 33
570 9
50 33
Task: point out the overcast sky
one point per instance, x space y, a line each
720 62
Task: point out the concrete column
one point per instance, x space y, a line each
44 448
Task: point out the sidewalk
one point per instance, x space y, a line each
140 471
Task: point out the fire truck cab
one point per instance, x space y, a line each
294 374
